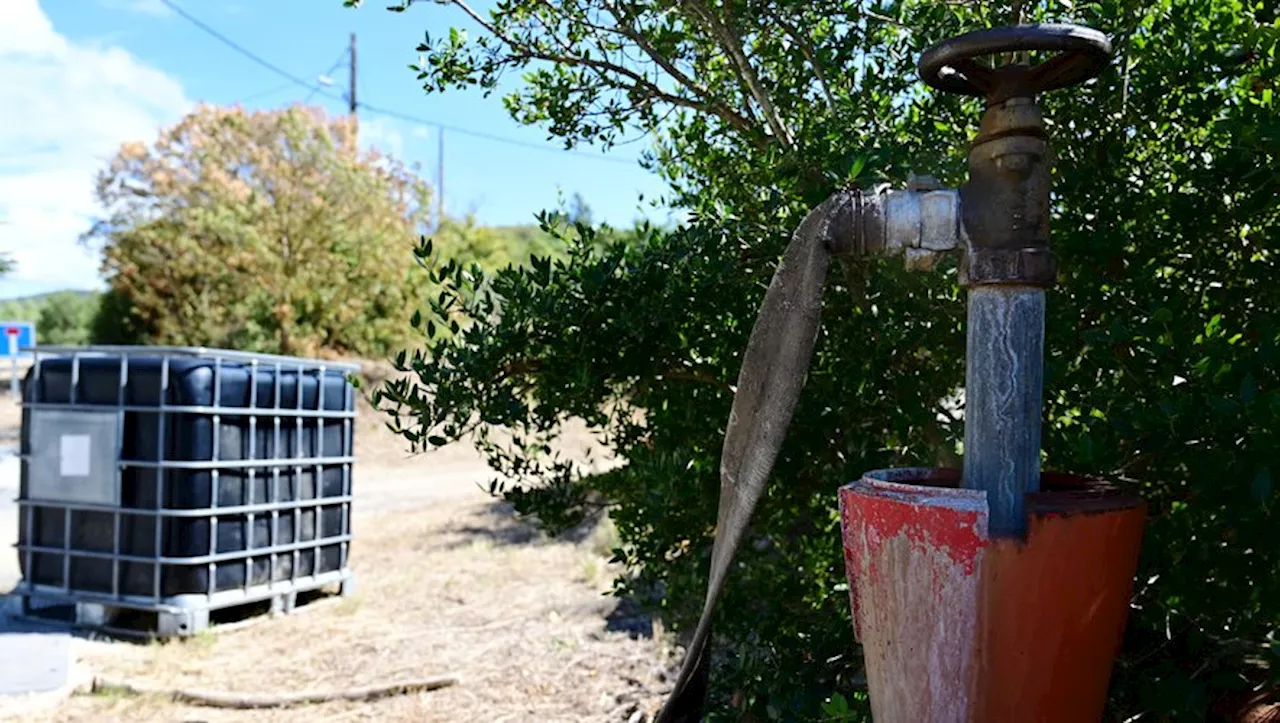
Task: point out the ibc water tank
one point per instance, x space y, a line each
179 481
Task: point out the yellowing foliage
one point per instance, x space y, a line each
263 230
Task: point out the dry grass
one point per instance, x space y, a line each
449 583
463 589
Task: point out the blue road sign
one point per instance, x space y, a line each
23 331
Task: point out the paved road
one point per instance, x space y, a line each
36 662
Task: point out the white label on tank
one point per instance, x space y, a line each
75 455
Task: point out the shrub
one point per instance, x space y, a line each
1162 335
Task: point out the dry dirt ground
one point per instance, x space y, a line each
449 583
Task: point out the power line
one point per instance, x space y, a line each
317 90
487 136
239 48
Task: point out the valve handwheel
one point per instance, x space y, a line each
1082 54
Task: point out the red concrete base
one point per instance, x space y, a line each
956 626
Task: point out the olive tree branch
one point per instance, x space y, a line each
525 51
625 26
733 46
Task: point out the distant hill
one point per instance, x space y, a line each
38 299
61 317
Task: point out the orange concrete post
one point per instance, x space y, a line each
959 626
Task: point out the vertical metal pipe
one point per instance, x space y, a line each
161 470
275 468
1004 380
252 455
66 511
297 470
121 400
351 93
348 450
318 453
213 475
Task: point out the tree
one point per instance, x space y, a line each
66 317
492 247
264 231
1163 333
62 317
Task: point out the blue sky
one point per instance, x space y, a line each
84 76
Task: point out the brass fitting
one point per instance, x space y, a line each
1006 200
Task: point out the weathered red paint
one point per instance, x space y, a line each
951 531
911 551
943 519
958 627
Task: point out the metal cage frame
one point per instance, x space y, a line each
188 614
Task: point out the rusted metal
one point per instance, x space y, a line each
958 625
952 64
1006 199
919 224
933 572
1007 261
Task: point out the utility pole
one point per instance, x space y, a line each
440 176
351 91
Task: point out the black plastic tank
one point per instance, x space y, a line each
245 467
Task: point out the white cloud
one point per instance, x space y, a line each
73 105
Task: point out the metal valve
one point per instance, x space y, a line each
999 219
1006 200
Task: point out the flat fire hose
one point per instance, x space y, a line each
773 372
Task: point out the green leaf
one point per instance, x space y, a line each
1156 333
856 168
835 707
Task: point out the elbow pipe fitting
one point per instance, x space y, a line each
999 219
